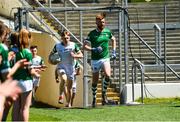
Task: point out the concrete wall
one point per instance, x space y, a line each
6 7
9 7
48 91
154 90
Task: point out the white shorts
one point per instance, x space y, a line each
25 85
69 70
36 81
98 64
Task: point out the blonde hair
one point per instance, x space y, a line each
100 16
24 36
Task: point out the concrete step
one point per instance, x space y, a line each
109 94
108 89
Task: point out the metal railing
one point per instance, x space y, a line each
70 1
143 42
157 32
40 21
60 23
140 66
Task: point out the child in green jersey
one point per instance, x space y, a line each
5 71
20 111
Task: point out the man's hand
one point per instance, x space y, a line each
97 49
113 55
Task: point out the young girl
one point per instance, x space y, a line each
21 106
6 71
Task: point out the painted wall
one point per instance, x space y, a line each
9 7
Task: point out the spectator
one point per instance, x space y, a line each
5 70
5 66
8 89
37 61
20 111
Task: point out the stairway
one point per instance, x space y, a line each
111 94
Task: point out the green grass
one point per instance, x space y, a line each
154 110
116 113
175 100
144 0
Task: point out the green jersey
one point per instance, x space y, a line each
23 73
4 53
102 39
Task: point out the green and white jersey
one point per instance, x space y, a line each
97 38
65 52
4 53
23 73
36 61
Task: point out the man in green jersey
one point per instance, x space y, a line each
98 43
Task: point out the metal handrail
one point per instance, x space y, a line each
44 24
140 66
74 4
60 23
157 31
24 3
142 40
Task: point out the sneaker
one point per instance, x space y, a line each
68 105
105 102
94 103
60 101
109 102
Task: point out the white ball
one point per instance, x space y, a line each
54 58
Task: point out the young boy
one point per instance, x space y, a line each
37 61
69 52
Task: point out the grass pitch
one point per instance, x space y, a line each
153 110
